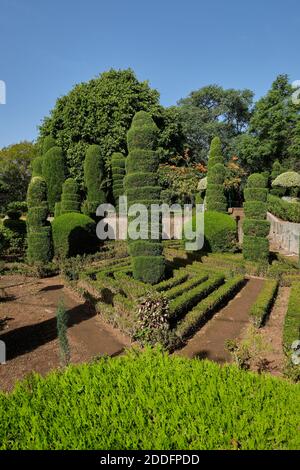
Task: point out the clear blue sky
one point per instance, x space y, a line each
47 46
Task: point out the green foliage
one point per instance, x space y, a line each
256 194
258 228
62 329
100 112
184 302
48 143
39 245
18 206
37 166
70 200
289 211
118 162
291 329
256 180
94 179
199 314
215 197
264 302
289 179
179 278
277 169
73 234
54 174
148 264
255 210
82 407
178 290
255 248
57 209
15 172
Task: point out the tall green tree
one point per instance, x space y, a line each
15 172
213 111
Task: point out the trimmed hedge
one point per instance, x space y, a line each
215 196
255 243
57 209
289 211
37 166
148 264
291 329
208 306
54 174
183 303
178 278
264 302
186 286
258 228
73 234
118 162
39 241
70 200
93 180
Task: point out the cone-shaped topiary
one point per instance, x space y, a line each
141 186
70 200
256 227
93 180
215 197
118 173
38 230
54 174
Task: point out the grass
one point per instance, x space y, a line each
151 401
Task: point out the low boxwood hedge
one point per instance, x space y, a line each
291 329
264 302
186 286
289 211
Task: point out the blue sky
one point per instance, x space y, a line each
47 46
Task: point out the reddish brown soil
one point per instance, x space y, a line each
227 324
28 328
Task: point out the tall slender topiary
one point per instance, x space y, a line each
48 143
38 230
54 174
215 197
141 185
70 200
93 180
37 166
256 227
118 174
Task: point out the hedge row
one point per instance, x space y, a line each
264 302
208 306
186 286
256 228
179 278
289 211
182 304
291 329
148 264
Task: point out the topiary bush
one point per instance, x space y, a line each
256 228
39 240
141 185
118 162
54 174
37 166
48 143
17 228
70 200
220 232
93 180
73 234
215 197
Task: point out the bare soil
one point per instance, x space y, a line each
28 328
227 324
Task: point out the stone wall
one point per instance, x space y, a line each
284 235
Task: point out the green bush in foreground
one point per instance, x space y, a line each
151 401
73 234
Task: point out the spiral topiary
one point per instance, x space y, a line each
215 197
118 174
70 200
93 179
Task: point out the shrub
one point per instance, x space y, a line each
118 162
208 306
48 143
289 211
54 174
37 166
17 228
57 209
220 232
255 243
73 234
179 278
38 231
264 302
215 196
186 286
93 180
291 330
70 200
18 206
141 186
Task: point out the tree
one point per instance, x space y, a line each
15 172
93 180
54 173
212 111
141 185
99 112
